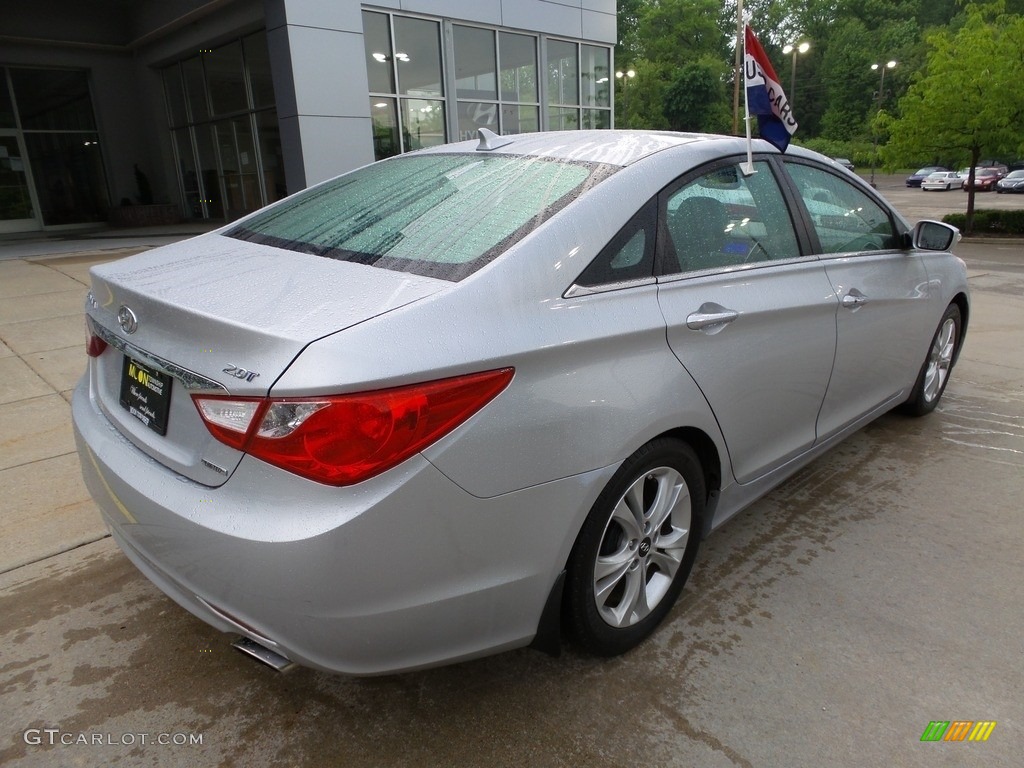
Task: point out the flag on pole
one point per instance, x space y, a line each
765 98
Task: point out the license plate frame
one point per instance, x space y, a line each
146 394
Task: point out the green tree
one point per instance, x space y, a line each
969 101
695 99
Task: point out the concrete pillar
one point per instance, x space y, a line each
320 83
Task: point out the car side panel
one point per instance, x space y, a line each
882 340
765 373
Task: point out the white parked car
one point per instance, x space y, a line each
942 180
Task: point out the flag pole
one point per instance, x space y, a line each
738 72
748 169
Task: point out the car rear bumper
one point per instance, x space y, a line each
403 571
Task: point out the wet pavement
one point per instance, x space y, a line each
873 593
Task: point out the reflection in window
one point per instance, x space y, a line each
257 64
61 148
578 76
418 55
53 100
518 68
413 115
225 79
380 66
68 172
422 123
595 76
384 118
475 63
563 73
845 218
484 61
229 159
725 219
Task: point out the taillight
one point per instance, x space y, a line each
94 345
345 439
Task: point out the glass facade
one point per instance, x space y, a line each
424 91
225 136
51 168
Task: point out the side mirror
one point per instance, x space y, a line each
935 236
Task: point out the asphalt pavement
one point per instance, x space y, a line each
876 592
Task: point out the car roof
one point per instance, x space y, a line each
613 147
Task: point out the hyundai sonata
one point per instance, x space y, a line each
463 399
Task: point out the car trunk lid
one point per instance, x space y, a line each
217 315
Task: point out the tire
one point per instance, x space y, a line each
636 548
938 364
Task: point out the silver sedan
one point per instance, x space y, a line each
459 400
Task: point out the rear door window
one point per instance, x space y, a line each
724 218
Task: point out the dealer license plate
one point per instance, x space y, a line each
146 394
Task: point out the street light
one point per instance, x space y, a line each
794 48
879 95
625 77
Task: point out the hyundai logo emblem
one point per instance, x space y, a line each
127 320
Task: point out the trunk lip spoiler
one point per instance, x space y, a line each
192 381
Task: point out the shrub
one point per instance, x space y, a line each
989 222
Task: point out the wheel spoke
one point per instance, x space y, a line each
622 614
633 500
672 492
609 568
623 514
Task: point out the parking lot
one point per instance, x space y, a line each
873 593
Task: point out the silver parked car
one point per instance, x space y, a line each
454 401
942 181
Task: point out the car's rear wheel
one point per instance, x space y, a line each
934 375
636 548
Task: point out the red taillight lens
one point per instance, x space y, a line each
94 345
345 439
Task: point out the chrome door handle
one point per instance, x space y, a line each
711 318
853 299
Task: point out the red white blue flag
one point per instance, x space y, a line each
765 98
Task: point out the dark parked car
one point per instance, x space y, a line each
844 162
915 179
1014 182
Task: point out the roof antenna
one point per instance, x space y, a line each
489 140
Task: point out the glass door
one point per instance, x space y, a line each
17 209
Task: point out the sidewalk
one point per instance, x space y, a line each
45 244
44 506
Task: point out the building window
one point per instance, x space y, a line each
492 78
224 131
579 86
51 168
406 78
496 81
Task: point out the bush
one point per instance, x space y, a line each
989 222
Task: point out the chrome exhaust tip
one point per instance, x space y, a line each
262 653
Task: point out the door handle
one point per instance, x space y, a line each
710 318
853 299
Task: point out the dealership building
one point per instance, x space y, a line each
208 109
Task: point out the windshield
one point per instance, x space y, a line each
439 215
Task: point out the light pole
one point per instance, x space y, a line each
794 48
880 96
625 77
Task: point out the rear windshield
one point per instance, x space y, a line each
440 215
